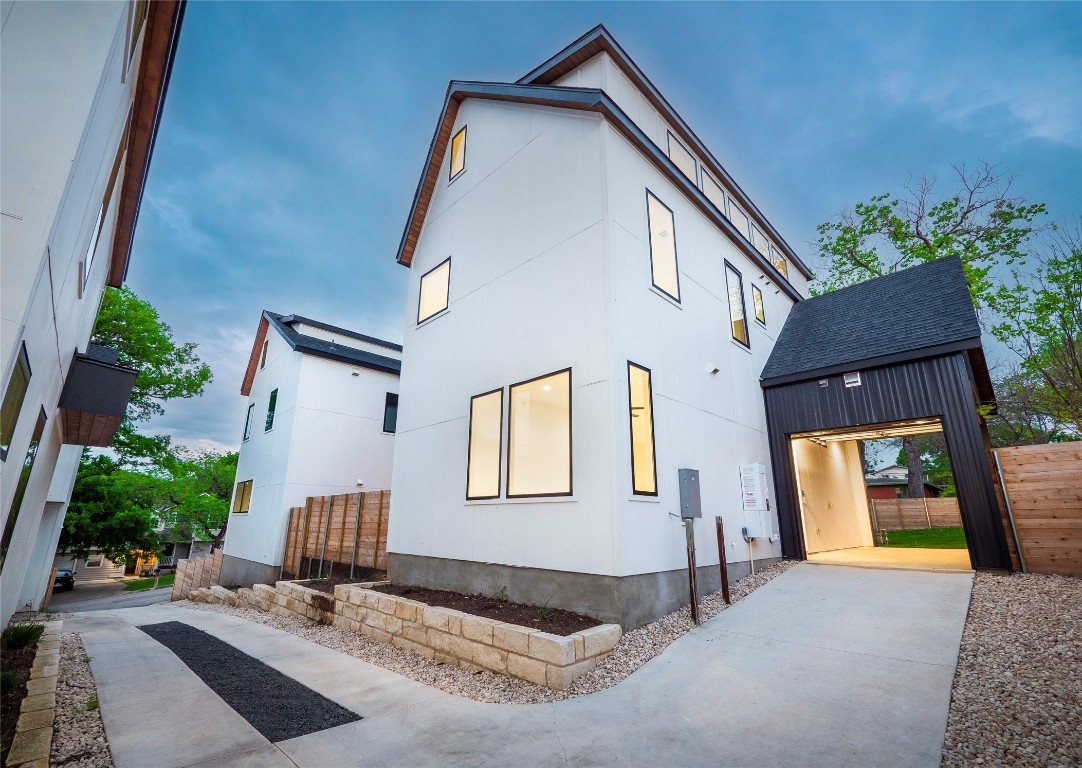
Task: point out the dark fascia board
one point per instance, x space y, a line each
873 362
601 39
310 345
592 100
289 319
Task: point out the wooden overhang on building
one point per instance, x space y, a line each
95 397
914 340
597 101
161 31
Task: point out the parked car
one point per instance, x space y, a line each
65 580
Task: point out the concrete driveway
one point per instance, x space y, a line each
823 666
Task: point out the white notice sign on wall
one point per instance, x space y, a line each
753 487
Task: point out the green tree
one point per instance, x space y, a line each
1021 418
935 462
167 370
197 492
112 509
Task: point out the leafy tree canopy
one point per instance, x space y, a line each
197 493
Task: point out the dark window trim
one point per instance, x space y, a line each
694 160
650 245
703 176
23 359
631 429
755 290
238 495
469 449
263 357
248 423
743 304
420 285
272 404
570 437
25 472
450 155
386 410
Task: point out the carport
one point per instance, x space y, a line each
900 354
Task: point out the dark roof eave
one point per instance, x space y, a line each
344 331
310 345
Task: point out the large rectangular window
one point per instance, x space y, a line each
248 421
435 287
779 261
20 488
682 159
242 497
664 270
757 304
13 400
737 315
270 410
390 412
539 437
485 446
713 192
458 154
641 403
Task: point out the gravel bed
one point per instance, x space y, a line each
634 649
78 734
1017 697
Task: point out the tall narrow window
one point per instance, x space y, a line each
641 402
737 316
681 158
663 266
779 262
248 421
435 285
13 400
138 17
458 154
20 488
757 304
263 357
242 497
539 437
390 412
713 192
95 235
270 410
485 445
739 219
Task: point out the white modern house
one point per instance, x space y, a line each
320 419
83 88
591 302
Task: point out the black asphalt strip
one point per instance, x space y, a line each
277 706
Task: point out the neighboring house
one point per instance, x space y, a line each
896 488
320 419
83 88
592 298
95 567
893 472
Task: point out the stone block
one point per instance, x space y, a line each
408 610
341 622
386 604
375 633
43 718
264 590
560 678
439 641
223 595
580 647
48 645
552 649
454 621
47 670
490 658
38 702
409 645
436 618
283 587
41 685
512 637
414 632
477 628
444 658
602 639
30 745
384 622
528 669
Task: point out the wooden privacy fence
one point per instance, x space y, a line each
1043 485
337 534
196 573
908 514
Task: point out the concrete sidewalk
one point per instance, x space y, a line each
823 666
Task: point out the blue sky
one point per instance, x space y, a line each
294 133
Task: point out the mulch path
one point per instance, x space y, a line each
19 661
553 620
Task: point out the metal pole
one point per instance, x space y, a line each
1010 513
689 531
927 514
326 531
721 562
356 533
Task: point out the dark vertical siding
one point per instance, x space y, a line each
940 387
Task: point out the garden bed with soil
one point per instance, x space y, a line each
16 663
328 583
555 621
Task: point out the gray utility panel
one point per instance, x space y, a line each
690 503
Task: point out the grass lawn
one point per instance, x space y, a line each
138 585
928 538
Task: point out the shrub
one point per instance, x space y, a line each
9 681
21 635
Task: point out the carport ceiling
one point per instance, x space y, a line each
877 432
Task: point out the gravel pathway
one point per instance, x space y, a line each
78 734
1017 697
634 649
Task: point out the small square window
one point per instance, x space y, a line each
458 154
852 379
242 497
434 293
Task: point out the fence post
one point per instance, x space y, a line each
927 515
1010 513
326 532
304 540
379 529
356 534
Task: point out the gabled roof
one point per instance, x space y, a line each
539 91
920 312
310 345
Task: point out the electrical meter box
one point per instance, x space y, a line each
754 499
690 503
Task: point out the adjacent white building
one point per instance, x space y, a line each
320 419
591 302
83 87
